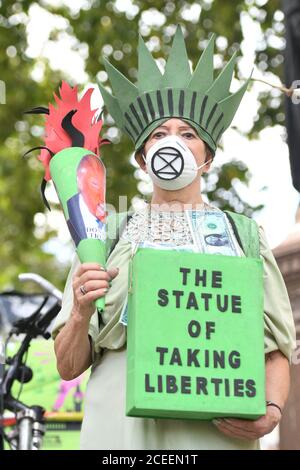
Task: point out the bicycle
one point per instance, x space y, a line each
29 420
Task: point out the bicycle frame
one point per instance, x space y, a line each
30 423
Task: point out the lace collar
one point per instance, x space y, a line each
159 226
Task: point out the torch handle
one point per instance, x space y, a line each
92 250
100 303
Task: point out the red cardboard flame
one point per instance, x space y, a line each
84 120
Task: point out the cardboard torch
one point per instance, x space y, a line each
71 160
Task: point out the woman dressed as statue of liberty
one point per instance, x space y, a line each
175 120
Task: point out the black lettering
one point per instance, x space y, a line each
175 358
217 383
163 297
201 385
227 389
220 307
192 359
171 386
251 388
206 357
192 301
200 278
219 359
210 328
194 329
234 359
185 272
216 279
236 304
162 352
238 386
185 384
159 383
148 387
206 298
178 294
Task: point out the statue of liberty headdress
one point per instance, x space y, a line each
206 103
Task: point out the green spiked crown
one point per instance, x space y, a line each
194 97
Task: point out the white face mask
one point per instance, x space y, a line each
171 164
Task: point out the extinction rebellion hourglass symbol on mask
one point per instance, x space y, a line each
167 163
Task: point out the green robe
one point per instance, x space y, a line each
105 425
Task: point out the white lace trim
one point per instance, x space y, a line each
159 226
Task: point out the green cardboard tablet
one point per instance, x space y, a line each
195 336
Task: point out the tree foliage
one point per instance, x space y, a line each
107 28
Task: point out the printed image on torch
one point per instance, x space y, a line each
87 208
71 158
